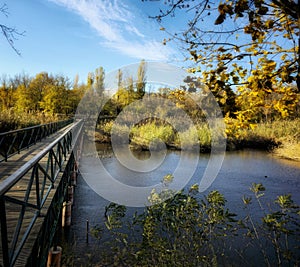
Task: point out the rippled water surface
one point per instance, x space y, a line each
239 170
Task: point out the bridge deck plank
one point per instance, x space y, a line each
18 192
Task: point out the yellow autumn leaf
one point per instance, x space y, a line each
283 57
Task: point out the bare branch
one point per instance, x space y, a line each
4 10
10 33
168 12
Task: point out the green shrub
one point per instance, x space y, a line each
188 139
120 133
107 127
146 133
189 230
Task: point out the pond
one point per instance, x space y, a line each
239 170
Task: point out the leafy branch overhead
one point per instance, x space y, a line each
249 46
9 33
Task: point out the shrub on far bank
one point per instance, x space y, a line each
272 136
143 135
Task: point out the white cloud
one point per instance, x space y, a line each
116 23
151 50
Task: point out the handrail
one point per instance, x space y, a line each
13 142
41 173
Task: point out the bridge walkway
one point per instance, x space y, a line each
14 162
26 190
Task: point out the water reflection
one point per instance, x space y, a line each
239 170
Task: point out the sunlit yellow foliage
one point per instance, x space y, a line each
255 54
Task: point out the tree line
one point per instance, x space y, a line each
57 94
42 93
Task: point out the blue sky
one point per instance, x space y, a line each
72 37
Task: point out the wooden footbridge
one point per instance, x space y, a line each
37 165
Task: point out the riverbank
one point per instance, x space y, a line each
286 136
288 150
279 137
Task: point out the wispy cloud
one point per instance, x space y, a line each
116 24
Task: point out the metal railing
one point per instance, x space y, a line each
28 193
13 142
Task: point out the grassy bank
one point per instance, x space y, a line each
12 120
281 137
146 134
287 134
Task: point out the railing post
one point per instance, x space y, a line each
4 239
54 257
6 156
